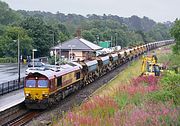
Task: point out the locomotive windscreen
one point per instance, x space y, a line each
41 83
30 83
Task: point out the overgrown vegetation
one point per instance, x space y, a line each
140 101
8 60
175 32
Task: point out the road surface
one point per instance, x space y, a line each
9 72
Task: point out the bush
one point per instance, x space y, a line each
174 60
170 88
161 95
8 60
171 82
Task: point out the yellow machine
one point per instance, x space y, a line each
150 66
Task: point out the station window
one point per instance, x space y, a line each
59 81
78 75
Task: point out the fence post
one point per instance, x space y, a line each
23 83
2 88
8 86
19 83
13 84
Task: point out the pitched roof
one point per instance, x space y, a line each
78 44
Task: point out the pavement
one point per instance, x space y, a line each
11 99
9 72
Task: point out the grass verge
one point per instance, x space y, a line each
132 100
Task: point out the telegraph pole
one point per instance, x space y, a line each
19 61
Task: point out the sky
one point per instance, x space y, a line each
158 10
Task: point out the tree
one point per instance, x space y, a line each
175 32
7 15
8 42
62 31
44 36
87 35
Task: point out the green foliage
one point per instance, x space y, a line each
174 60
170 88
44 30
2 29
122 100
8 60
136 99
175 32
44 35
161 95
88 35
8 16
170 82
150 30
159 32
8 42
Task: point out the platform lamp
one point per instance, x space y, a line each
60 50
33 50
71 46
19 76
55 54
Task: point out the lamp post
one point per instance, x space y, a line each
97 37
18 58
71 50
55 52
33 55
60 50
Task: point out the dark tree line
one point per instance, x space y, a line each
43 30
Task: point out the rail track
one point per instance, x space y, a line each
23 119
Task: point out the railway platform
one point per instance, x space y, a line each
11 99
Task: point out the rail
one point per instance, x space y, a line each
11 86
22 120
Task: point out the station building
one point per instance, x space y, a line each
75 49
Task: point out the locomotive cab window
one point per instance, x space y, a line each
30 83
42 83
78 75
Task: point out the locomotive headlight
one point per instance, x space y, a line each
27 94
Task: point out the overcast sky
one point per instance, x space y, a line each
158 10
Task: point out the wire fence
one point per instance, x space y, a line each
11 86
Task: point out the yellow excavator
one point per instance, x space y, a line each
150 66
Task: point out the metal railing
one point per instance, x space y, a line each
11 86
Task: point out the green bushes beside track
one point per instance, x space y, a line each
8 60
